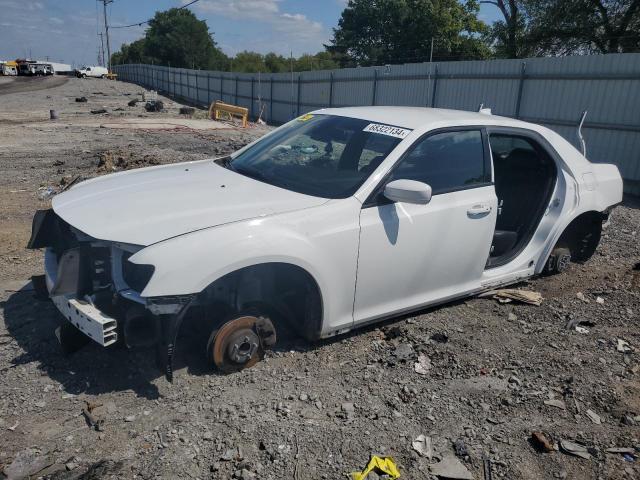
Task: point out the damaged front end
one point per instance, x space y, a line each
97 289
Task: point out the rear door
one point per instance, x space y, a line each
412 255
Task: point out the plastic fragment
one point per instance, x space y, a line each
377 464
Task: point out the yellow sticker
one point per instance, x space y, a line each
305 118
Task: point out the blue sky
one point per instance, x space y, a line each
66 30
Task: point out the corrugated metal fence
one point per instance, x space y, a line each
550 91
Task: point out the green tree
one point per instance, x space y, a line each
510 37
248 62
276 63
175 37
131 53
585 26
401 31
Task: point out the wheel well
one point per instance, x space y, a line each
282 291
582 235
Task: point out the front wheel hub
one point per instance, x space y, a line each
240 343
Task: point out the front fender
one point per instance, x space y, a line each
322 240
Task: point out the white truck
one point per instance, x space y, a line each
92 71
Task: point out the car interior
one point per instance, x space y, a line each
524 178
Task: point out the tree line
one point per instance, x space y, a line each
378 32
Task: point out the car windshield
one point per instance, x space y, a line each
321 155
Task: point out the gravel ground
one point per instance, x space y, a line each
493 373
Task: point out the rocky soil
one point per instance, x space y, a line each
471 380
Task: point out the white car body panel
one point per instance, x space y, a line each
322 240
194 231
148 205
437 235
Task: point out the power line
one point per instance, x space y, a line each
139 24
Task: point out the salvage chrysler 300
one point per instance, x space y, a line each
339 218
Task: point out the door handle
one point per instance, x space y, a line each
480 209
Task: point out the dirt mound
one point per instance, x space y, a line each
113 161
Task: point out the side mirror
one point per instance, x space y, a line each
408 191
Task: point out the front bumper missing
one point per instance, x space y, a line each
79 312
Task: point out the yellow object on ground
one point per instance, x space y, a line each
223 111
379 465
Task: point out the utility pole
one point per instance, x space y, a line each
106 28
101 58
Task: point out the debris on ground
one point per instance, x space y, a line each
187 110
450 468
541 443
460 448
507 295
81 99
440 338
26 464
593 416
98 111
575 449
154 106
404 352
133 103
46 193
554 402
422 445
92 420
113 161
623 346
423 365
378 465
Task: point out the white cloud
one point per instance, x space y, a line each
281 31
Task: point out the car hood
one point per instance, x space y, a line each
148 205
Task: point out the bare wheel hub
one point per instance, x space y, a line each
240 343
242 346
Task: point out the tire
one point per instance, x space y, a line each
103 77
84 75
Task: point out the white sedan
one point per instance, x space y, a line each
337 219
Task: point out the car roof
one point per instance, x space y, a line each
416 117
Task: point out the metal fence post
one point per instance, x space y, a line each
523 70
375 86
209 88
331 90
271 100
235 102
251 106
435 87
298 100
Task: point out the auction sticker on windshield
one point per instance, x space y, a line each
387 130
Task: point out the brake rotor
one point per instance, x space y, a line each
238 344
